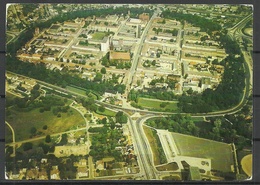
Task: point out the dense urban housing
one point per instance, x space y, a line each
129 92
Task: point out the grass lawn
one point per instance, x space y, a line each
197 119
155 104
98 35
76 90
22 122
153 143
107 112
82 91
220 153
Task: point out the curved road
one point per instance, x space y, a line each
140 144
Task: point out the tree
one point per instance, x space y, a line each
36 87
190 91
164 104
33 130
27 146
64 139
104 121
93 108
120 117
103 70
98 77
48 139
163 22
112 125
101 108
45 127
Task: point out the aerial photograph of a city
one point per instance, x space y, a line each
129 92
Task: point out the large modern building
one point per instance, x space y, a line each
105 44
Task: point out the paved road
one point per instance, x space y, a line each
140 142
137 53
13 135
236 31
233 110
141 149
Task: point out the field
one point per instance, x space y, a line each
76 90
66 151
246 163
107 112
197 119
98 35
220 153
155 104
82 91
23 122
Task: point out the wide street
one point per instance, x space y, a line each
137 53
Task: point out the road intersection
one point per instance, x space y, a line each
141 144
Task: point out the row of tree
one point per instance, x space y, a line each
63 78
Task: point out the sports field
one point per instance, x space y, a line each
155 104
220 153
246 164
